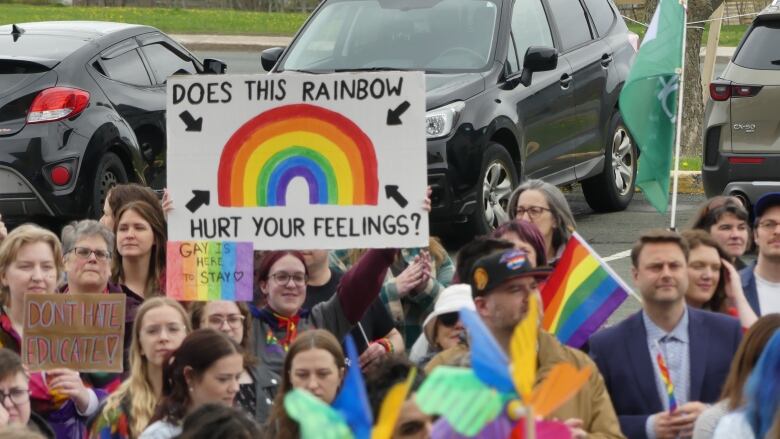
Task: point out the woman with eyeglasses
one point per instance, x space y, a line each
139 254
31 262
160 327
544 205
15 396
257 384
443 328
204 369
283 276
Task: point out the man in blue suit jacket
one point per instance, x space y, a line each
697 346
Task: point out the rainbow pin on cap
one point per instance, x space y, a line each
492 270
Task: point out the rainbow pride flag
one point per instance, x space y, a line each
580 294
667 379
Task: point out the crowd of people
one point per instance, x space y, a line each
700 359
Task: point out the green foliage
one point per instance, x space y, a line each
183 21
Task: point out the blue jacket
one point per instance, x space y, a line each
748 278
622 356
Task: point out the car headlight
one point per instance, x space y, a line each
440 121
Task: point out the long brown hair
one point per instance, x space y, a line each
745 359
138 387
695 239
278 421
199 351
151 215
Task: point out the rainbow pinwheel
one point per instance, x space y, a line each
496 399
349 417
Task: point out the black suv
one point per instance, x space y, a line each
515 89
82 108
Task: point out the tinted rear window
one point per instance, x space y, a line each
602 15
40 46
761 49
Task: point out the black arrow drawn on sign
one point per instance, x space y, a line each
391 191
394 116
192 123
199 199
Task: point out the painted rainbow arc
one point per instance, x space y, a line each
328 151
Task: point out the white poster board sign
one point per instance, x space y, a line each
295 161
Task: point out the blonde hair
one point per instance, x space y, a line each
18 238
137 385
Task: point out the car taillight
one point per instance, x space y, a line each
57 103
746 160
721 91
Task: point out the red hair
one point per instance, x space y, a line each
270 258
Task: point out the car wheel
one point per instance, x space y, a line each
110 172
613 189
497 179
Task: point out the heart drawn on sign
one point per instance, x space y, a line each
238 275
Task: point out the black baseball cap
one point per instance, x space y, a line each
765 202
492 270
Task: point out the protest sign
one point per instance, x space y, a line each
299 161
209 270
84 332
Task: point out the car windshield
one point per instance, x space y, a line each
430 35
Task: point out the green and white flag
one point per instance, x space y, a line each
648 101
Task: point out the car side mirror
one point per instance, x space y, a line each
211 65
269 57
538 59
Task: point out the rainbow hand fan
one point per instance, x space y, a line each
497 396
350 416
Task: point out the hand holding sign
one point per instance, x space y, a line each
68 383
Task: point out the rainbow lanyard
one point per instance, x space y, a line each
667 379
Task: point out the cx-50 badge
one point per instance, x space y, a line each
746 127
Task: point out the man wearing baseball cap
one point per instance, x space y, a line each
761 280
502 283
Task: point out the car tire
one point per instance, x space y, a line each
497 179
110 172
610 191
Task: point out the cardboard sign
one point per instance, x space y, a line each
84 332
299 161
209 270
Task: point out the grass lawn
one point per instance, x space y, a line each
689 163
729 34
202 21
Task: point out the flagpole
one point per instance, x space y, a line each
681 92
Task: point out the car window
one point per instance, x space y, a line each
760 49
364 34
127 68
572 23
165 62
602 14
31 46
530 26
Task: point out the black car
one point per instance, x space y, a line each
82 108
515 89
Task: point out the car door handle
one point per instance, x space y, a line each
565 80
606 59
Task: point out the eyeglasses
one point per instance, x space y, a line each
533 211
84 252
283 278
768 225
171 329
18 396
449 319
235 321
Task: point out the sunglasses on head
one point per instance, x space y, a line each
449 319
